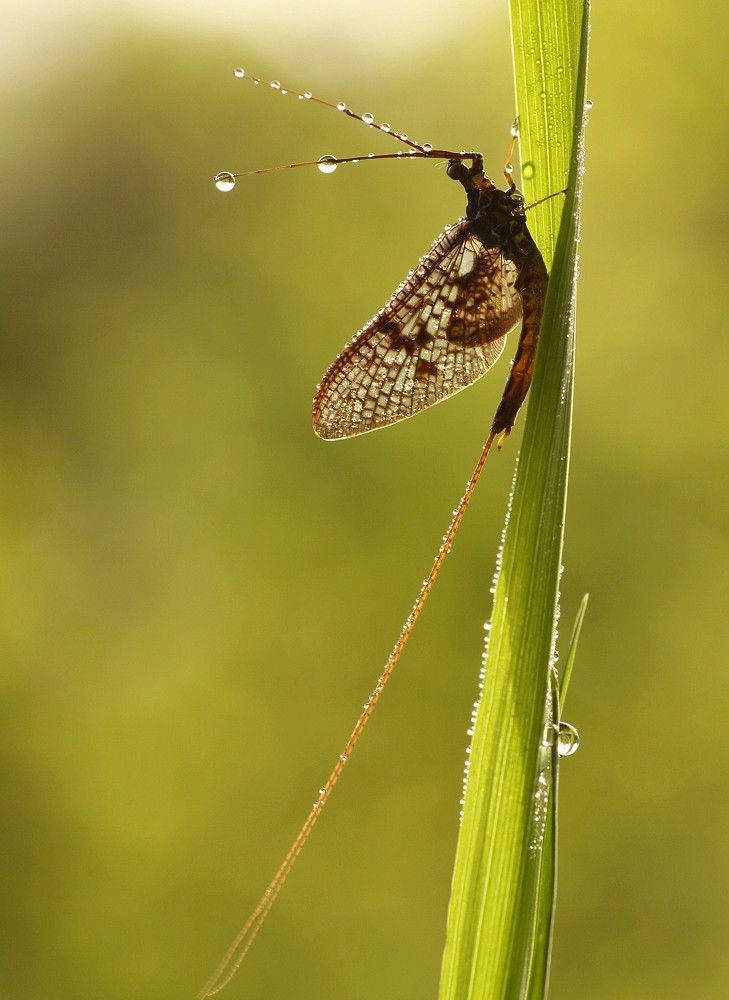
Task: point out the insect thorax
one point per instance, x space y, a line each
498 219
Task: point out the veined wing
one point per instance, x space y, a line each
442 329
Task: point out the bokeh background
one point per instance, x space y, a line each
198 594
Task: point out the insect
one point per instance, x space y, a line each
443 327
446 324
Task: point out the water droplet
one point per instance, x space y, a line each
307 95
427 147
322 791
341 106
527 170
403 135
588 105
275 85
225 181
327 163
240 73
568 740
508 170
367 118
385 127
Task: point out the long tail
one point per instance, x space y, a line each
238 949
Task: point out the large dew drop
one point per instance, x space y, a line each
367 118
568 740
225 181
327 163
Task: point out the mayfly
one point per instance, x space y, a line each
443 327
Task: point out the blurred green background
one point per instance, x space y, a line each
198 593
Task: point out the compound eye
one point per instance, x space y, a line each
457 170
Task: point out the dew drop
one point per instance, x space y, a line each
527 170
403 136
225 181
385 127
275 85
240 73
307 95
568 740
367 118
322 791
427 147
588 105
327 163
341 106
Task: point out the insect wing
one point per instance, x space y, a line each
443 328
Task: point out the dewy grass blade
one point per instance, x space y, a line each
499 925
546 888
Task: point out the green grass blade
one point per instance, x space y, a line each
499 919
547 881
569 662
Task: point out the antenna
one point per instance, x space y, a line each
327 164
